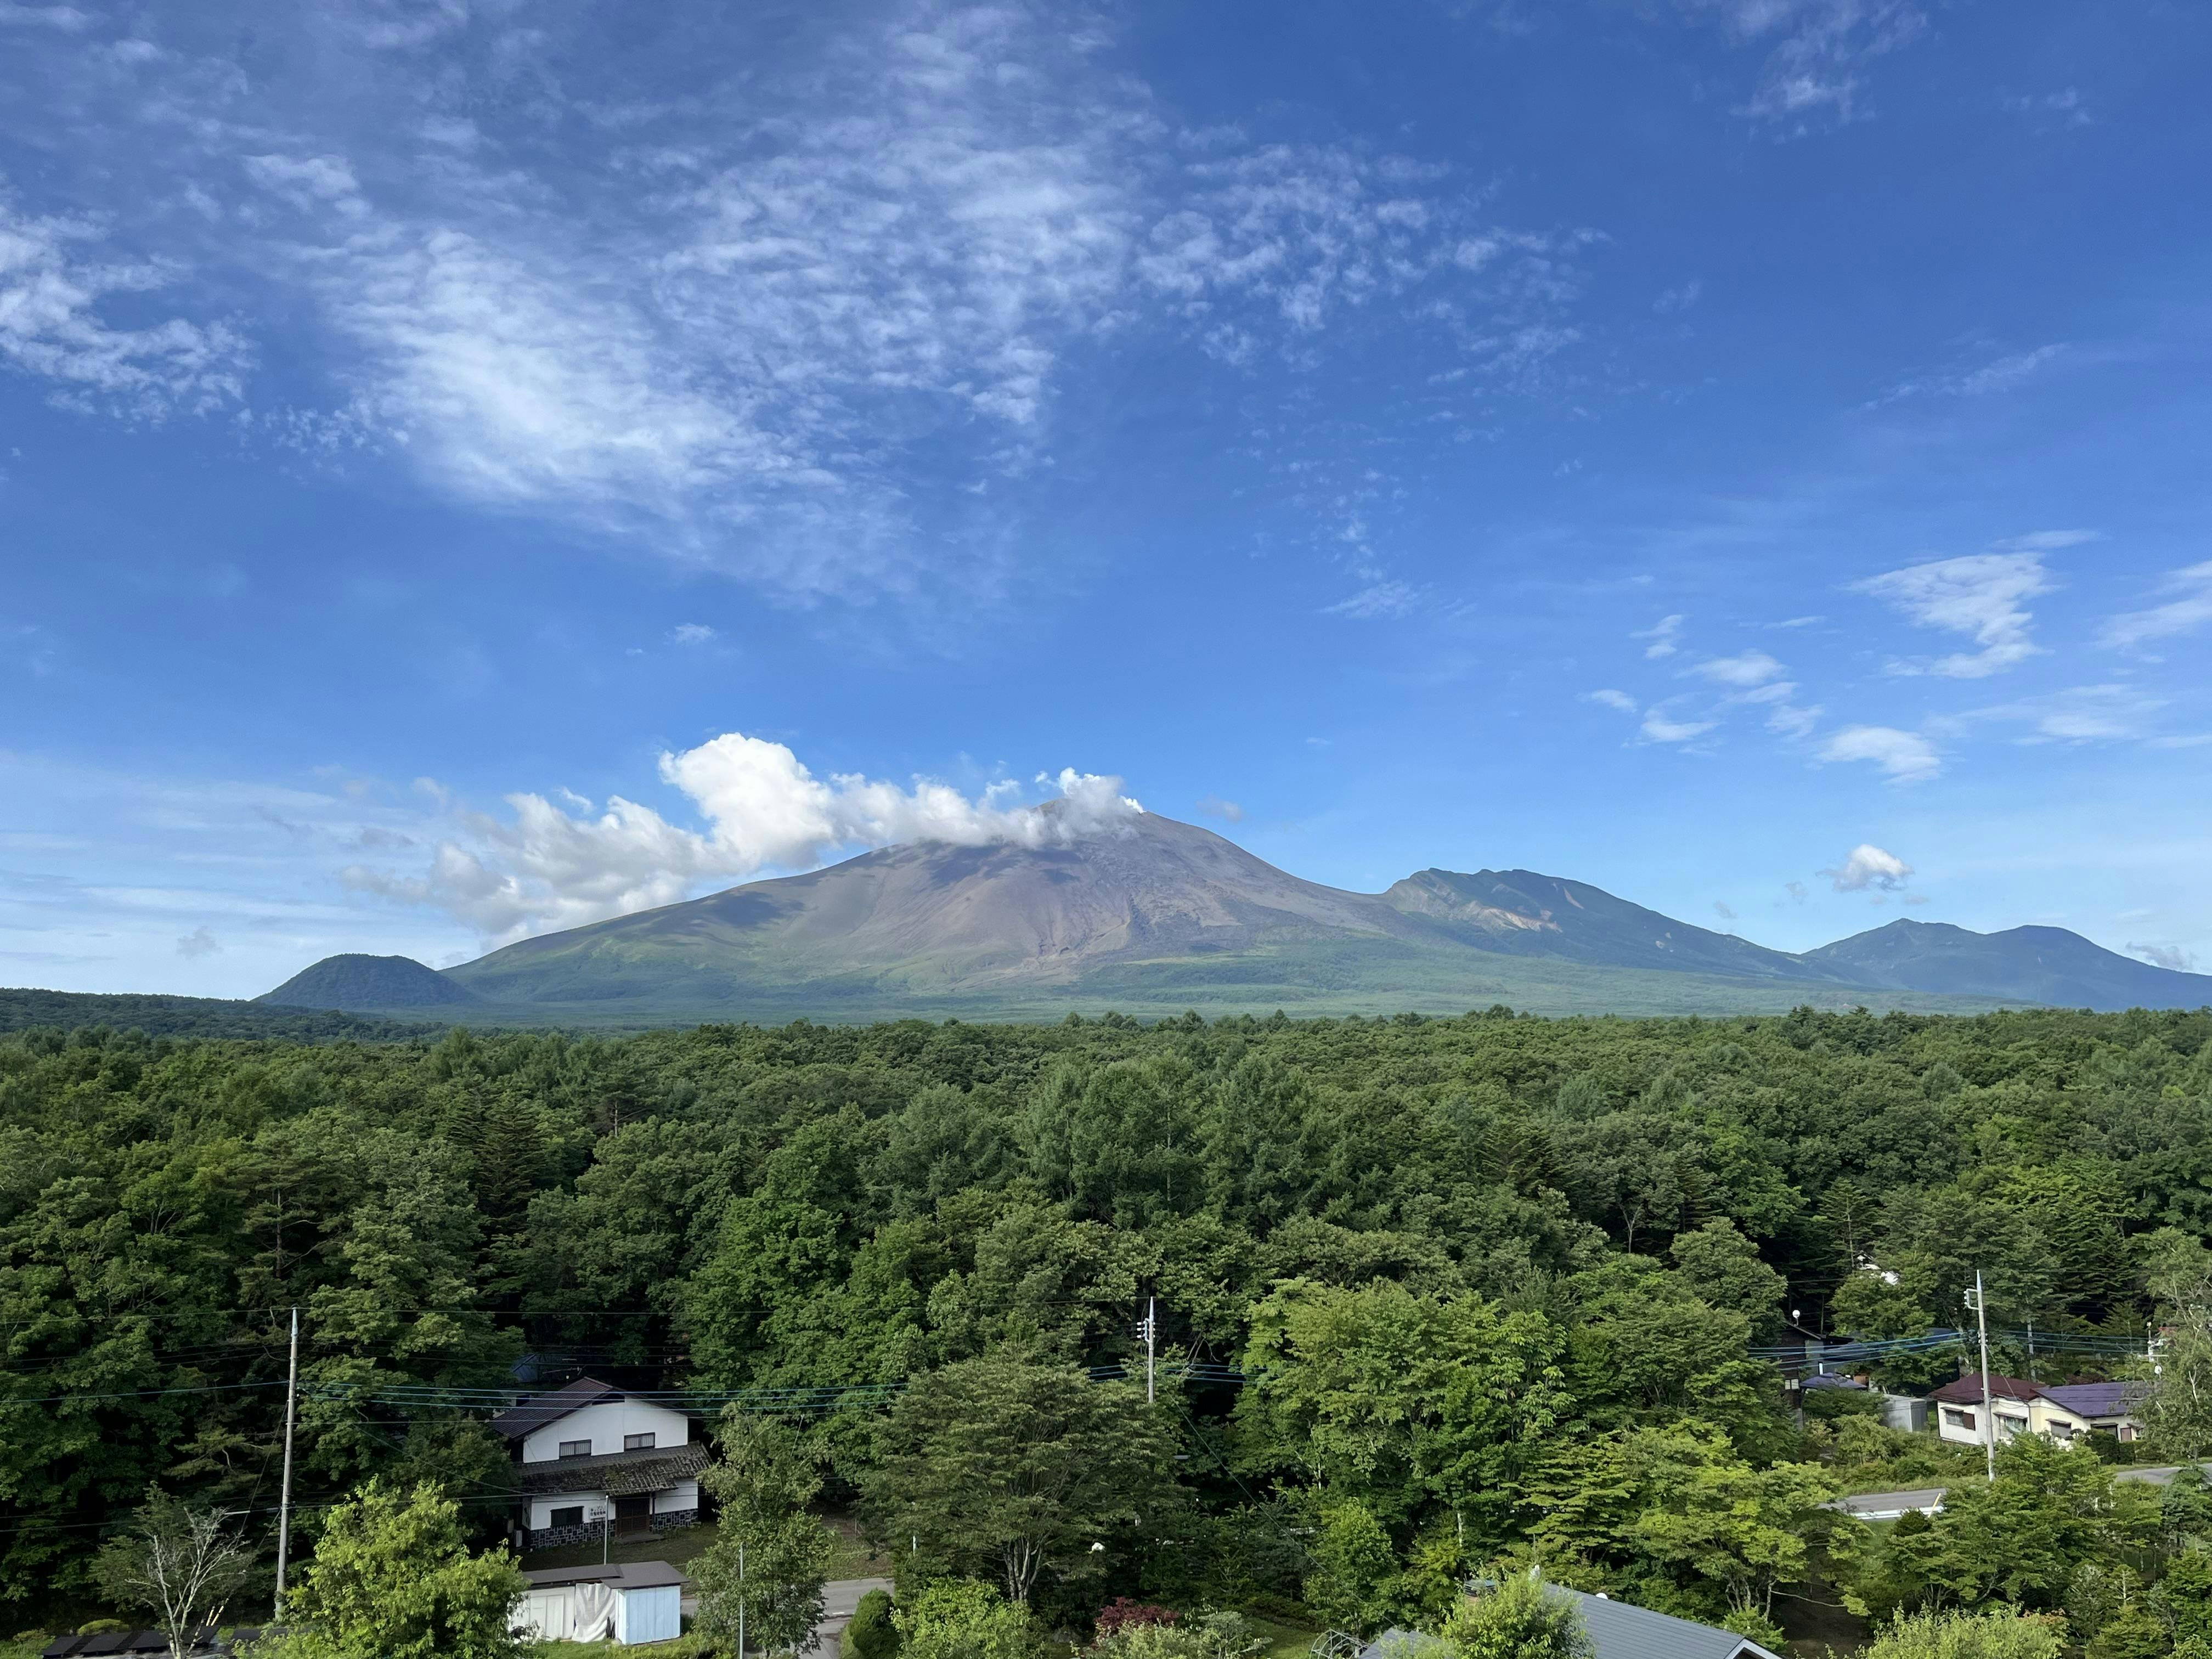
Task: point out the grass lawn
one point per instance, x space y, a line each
1284 1641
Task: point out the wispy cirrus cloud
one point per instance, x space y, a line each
63 296
2000 374
1982 595
1818 52
2188 610
729 312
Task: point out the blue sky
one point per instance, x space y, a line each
468 468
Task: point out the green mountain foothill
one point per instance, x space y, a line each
1156 916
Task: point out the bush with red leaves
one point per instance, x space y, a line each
1122 1613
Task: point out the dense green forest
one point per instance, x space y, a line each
1433 1293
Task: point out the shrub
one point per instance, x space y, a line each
872 1635
1999 1634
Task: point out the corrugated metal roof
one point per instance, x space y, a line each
2096 1399
528 1416
1617 1630
622 1575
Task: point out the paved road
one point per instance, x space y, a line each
840 1600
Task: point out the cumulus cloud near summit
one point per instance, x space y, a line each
555 865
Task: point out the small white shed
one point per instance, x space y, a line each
631 1602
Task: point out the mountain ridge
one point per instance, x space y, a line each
1156 912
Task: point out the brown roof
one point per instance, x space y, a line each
528 1416
618 1474
1967 1390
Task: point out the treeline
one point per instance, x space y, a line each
1499 1279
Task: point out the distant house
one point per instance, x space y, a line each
590 1456
1617 1630
2066 1412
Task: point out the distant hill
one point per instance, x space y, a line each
1156 916
197 1017
2025 964
361 981
1520 913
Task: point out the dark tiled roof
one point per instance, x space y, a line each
1967 1390
618 1474
528 1416
1828 1380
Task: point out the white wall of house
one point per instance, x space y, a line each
606 1426
1962 1425
683 1495
541 1509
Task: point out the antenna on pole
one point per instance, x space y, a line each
284 1502
1980 1305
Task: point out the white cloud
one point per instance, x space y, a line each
1752 668
1228 811
200 942
761 321
2081 713
692 633
1982 595
1868 865
551 866
1791 720
57 297
1814 70
1796 890
2047 541
1611 699
2171 957
67 20
1998 375
2188 611
1665 635
1903 756
1376 600
1657 727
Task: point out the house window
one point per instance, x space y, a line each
1953 1417
572 1516
638 1442
2012 1425
575 1448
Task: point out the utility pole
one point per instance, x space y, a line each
2031 1347
1980 1305
741 1599
1150 1330
284 1501
606 1531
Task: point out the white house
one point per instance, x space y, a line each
2065 1411
591 1456
631 1601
